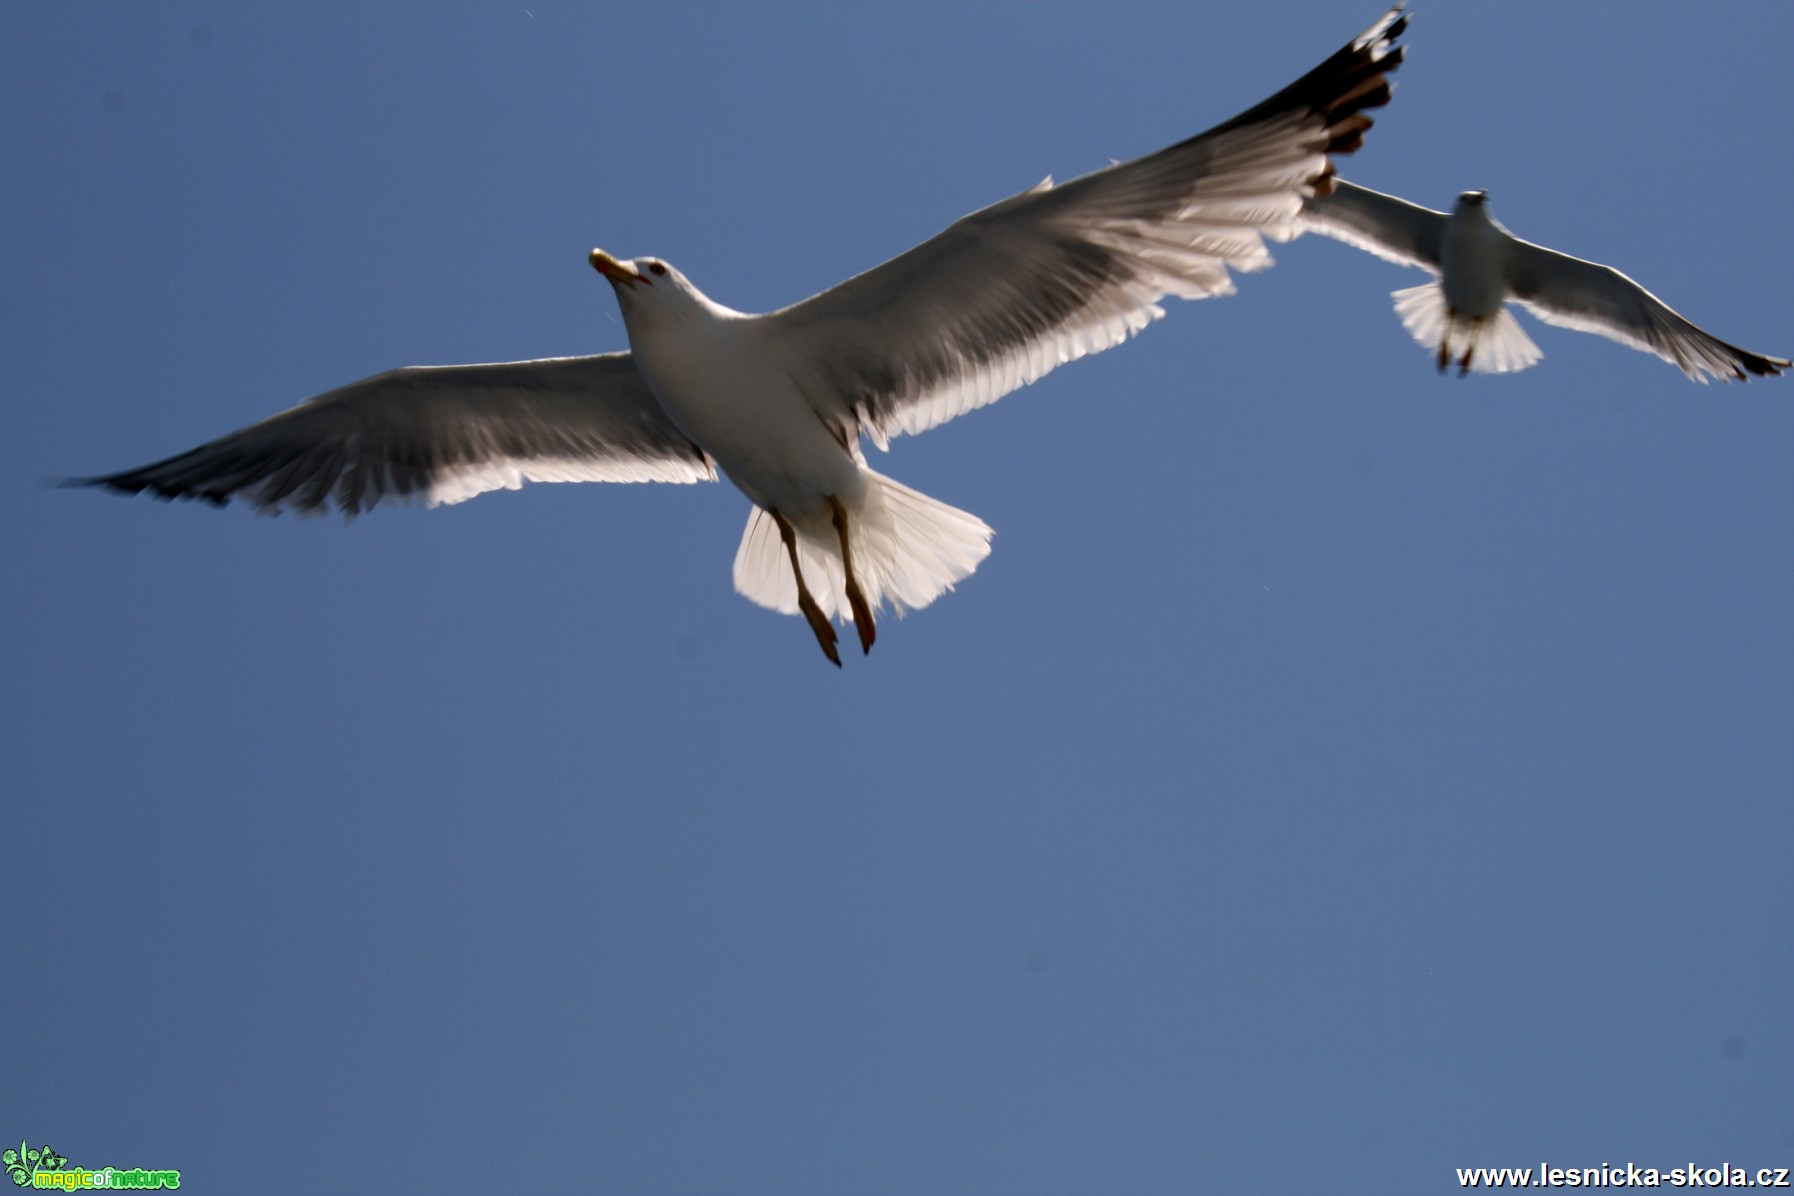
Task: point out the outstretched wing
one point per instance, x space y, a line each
1587 296
439 433
1010 292
1393 229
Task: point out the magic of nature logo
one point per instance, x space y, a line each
43 1168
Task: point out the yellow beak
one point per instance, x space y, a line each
613 269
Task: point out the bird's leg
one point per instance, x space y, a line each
825 632
862 613
1469 350
1451 326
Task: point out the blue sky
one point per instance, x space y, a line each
1336 775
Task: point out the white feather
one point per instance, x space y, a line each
908 550
1497 345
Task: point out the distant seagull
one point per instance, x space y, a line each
778 402
1482 267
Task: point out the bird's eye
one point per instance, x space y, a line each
657 267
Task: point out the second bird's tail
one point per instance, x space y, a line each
1494 346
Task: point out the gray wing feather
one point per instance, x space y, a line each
1010 292
1587 296
1394 229
439 433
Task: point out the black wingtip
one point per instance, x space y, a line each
1340 90
1762 365
117 483
134 483
1745 365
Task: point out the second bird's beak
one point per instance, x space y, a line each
616 271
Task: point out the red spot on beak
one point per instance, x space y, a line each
615 270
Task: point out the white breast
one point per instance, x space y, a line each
720 387
1470 257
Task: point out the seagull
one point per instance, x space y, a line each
779 402
1482 267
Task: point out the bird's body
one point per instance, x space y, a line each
1470 261
710 370
823 522
1482 267
779 402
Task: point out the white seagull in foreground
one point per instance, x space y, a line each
1482 267
778 402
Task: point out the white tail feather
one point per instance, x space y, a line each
1496 346
908 549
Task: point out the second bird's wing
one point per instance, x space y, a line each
1394 229
1587 296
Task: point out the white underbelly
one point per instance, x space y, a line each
745 411
1470 259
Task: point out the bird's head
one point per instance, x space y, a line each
648 287
1472 199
